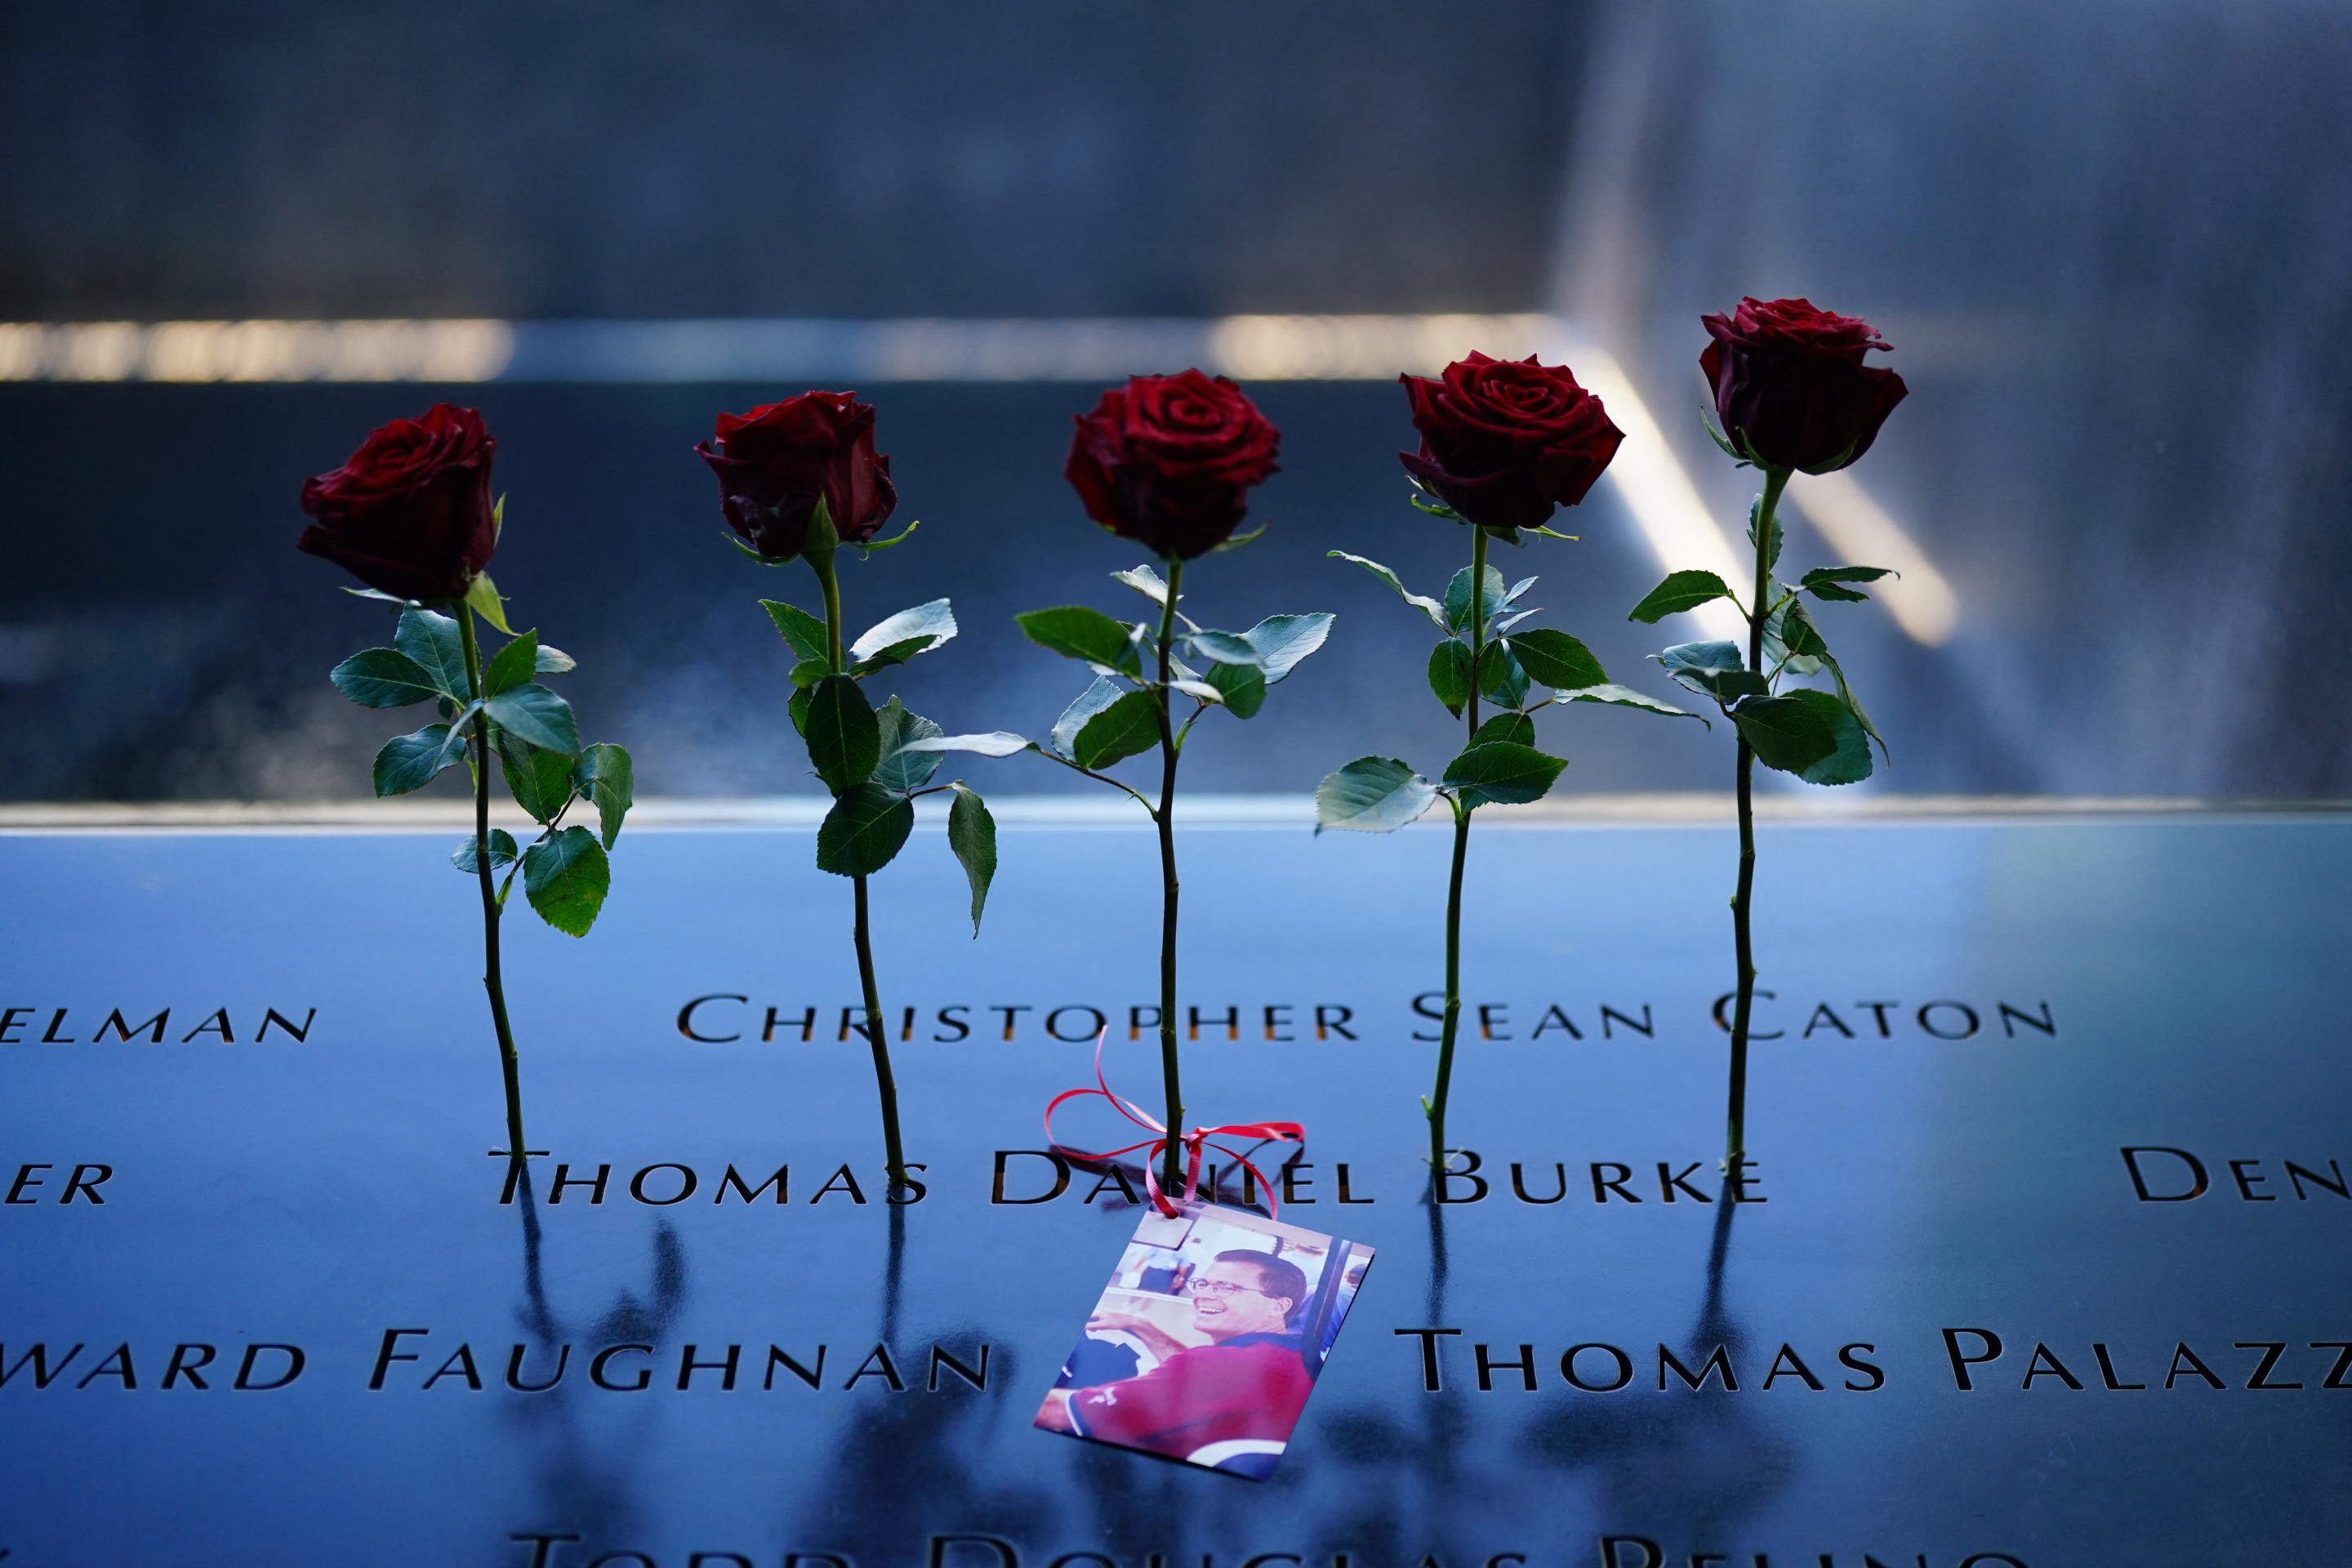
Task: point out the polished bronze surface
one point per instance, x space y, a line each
2042 1262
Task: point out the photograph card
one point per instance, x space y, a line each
1204 1348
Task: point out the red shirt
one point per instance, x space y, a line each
1253 1385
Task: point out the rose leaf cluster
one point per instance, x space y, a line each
876 761
536 738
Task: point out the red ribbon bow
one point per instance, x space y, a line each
1193 1141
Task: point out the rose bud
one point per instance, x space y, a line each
1168 461
773 462
1790 387
1504 441
409 514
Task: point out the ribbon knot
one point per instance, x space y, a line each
1193 1141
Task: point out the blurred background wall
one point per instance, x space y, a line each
2111 242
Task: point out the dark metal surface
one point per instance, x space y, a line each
318 1194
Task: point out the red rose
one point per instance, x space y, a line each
773 462
1504 441
409 512
1167 461
1790 387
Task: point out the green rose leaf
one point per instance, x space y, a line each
1064 735
894 727
1457 598
1556 659
513 665
482 596
971 834
555 662
903 636
798 708
1787 733
1222 648
1127 726
1144 581
1422 602
607 776
863 831
1075 631
1500 677
1283 640
1449 674
566 877
802 631
1274 645
383 677
897 653
538 716
1371 795
1846 696
1791 641
1515 728
1243 686
993 743
808 672
432 640
411 761
540 781
1626 696
845 740
1850 763
1823 582
502 851
1680 591
1502 773
1701 667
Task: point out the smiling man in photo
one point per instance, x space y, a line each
1250 1381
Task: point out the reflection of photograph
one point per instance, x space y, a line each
1208 1339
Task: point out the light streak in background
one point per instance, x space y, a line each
1681 532
1858 528
254 351
1666 505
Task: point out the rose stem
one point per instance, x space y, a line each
493 978
1736 1138
877 1033
1447 1029
1171 1171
